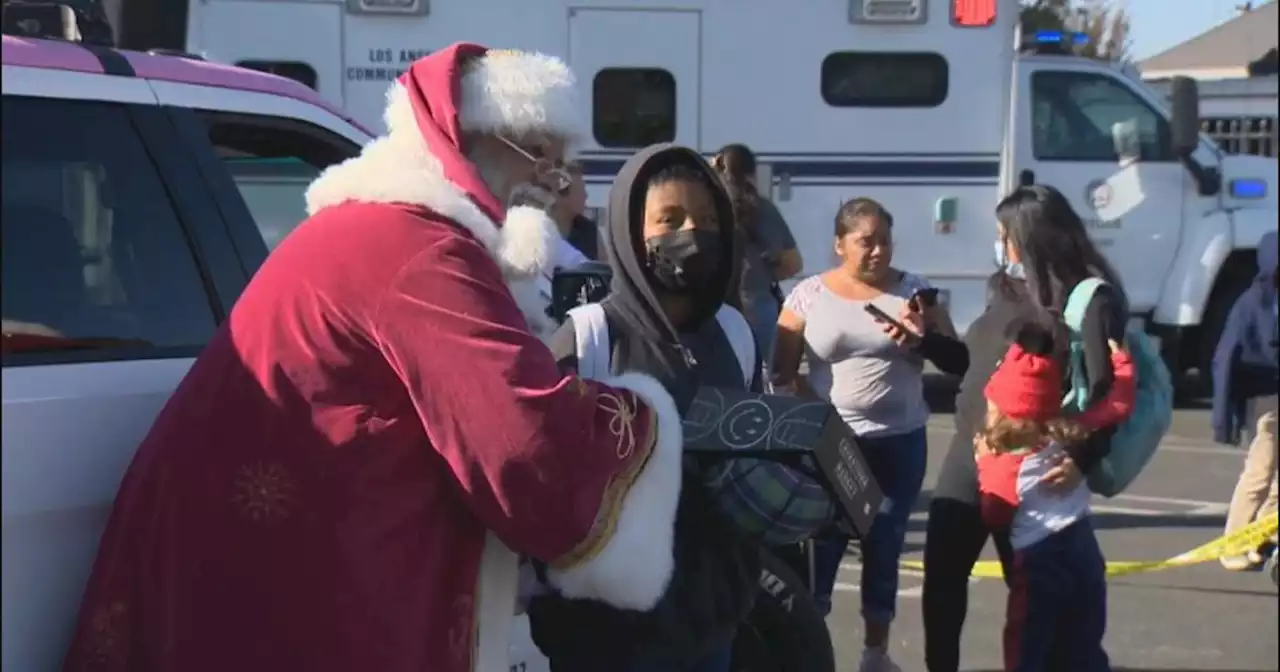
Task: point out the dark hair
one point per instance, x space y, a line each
676 171
859 208
736 164
1034 338
1053 247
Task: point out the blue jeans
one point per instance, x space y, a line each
762 315
897 463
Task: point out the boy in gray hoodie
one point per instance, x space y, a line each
1246 369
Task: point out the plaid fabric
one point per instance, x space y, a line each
771 502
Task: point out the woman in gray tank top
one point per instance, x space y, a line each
872 372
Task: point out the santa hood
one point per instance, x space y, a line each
421 161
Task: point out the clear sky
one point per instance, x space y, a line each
1157 25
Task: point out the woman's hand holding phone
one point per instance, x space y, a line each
906 331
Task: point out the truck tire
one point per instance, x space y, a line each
1235 279
785 631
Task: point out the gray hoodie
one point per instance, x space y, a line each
1247 349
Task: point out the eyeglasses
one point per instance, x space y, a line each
554 173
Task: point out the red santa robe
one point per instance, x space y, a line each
344 478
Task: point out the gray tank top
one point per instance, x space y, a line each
876 385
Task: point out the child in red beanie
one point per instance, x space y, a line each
1058 584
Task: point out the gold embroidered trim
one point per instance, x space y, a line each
621 425
623 414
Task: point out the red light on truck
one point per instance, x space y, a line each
973 13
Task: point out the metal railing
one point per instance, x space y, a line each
1243 135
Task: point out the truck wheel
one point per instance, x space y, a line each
1235 279
785 632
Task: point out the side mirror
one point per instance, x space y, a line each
1184 126
573 287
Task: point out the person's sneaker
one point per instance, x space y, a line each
1243 563
877 660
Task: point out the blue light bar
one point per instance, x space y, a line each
1059 37
1248 188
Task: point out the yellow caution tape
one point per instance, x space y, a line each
1248 538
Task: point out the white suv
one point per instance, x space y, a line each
125 242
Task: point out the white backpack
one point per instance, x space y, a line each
591 329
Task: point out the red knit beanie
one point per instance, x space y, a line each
1028 383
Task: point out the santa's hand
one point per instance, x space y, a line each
531 195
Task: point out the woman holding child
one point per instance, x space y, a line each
1043 251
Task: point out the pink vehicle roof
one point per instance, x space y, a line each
58 55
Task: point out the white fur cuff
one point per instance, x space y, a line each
633 569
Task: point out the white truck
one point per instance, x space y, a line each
929 106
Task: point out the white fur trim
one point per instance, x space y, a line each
633 569
529 239
517 92
397 168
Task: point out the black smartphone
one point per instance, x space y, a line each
880 316
924 298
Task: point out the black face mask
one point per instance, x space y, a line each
684 260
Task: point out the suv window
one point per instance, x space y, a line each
633 107
273 160
96 264
1080 116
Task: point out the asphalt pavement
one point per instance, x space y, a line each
1201 618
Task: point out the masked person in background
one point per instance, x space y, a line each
345 476
671 243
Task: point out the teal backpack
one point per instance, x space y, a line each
1135 440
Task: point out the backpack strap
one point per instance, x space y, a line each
591 332
1078 302
741 338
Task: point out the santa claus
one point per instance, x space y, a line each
344 479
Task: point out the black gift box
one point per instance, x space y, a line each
797 432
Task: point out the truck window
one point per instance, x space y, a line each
273 160
633 107
884 79
1083 116
96 263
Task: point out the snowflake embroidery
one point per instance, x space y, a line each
264 492
108 635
